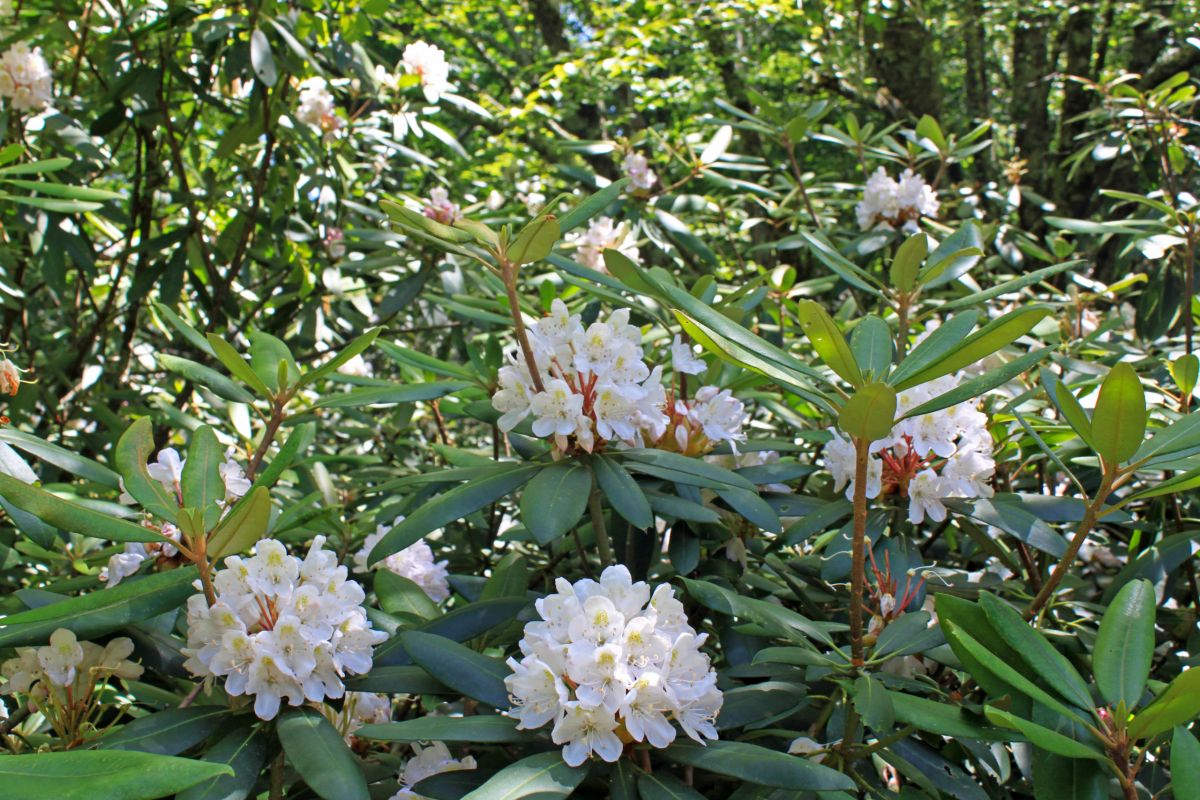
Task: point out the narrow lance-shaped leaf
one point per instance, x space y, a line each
1125 644
828 341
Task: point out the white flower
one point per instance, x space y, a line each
317 106
60 658
25 79
556 410
122 565
609 653
428 63
683 358
889 204
433 759
234 477
807 746
585 731
924 497
639 172
414 562
167 469
602 235
281 628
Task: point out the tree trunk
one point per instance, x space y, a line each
905 63
1075 195
1030 93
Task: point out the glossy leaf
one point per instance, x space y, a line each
871 343
1125 644
244 525
493 729
869 413
535 241
555 499
827 339
69 516
759 765
317 751
101 775
459 667
544 776
244 751
134 450
622 492
1120 415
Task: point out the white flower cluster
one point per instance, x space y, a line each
595 382
439 207
281 627
428 63
610 660
67 667
414 562
637 169
532 192
893 204
603 235
433 759
944 454
317 106
597 388
25 79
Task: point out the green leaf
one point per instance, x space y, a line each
261 59
1185 371
62 458
1066 403
413 221
709 474
1028 279
758 765
869 413
970 617
622 267
348 352
1125 644
544 776
871 343
975 387
300 438
1049 740
535 241
166 733
928 128
1185 764
1171 442
101 775
238 367
473 729
453 505
271 359
752 507
101 612
1177 705
1120 414
994 336
318 752
61 513
957 254
459 667
399 595
205 376
1039 654
245 524
392 395
201 484
1007 673
944 719
874 704
554 501
907 262
664 786
243 750
591 206
133 452
828 255
938 344
623 492
827 339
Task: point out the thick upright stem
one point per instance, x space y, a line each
514 305
858 564
903 305
1090 515
602 544
277 418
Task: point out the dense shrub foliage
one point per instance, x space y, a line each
599 399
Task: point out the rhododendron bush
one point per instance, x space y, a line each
599 399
